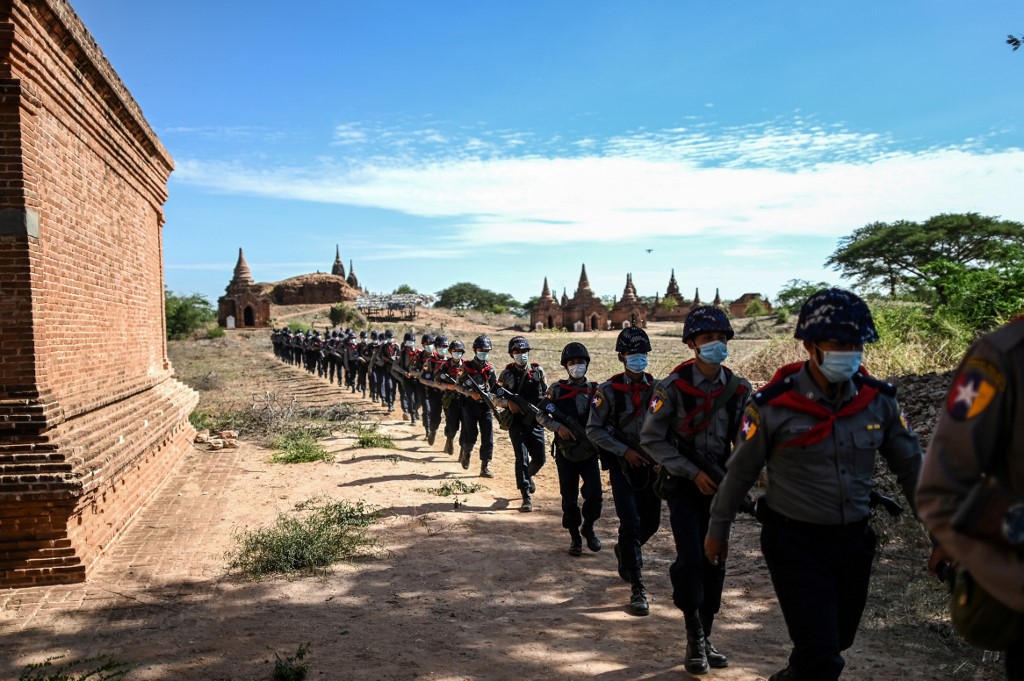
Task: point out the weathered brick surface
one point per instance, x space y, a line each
91 420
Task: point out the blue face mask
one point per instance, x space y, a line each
482 356
636 363
428 348
457 354
839 367
714 352
522 358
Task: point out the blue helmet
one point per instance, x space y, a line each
633 341
706 318
834 314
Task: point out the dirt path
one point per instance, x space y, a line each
475 592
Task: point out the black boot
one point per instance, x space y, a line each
430 437
527 502
593 543
575 543
638 600
485 470
696 657
464 455
449 445
716 660
623 572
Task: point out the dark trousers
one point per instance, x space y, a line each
528 448
375 379
350 374
477 417
453 417
432 408
570 474
821 577
638 510
1015 662
696 582
361 379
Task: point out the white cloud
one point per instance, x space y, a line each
778 180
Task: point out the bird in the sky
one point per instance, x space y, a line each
650 250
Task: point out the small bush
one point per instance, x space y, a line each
452 488
345 315
215 332
200 420
100 668
299 446
291 668
368 437
329 532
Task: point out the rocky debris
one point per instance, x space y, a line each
225 439
922 397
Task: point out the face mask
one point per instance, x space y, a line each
482 356
428 348
839 367
409 344
442 352
457 355
636 363
714 352
578 370
522 359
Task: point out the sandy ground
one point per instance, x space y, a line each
478 591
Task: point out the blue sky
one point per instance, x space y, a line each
500 143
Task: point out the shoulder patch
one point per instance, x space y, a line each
972 391
598 399
749 424
657 401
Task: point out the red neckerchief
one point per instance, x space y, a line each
791 399
529 369
703 408
482 370
568 390
635 390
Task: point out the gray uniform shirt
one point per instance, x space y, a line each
825 483
668 410
610 407
981 428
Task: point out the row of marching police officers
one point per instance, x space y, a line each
696 439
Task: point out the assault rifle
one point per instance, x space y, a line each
706 464
891 506
485 395
524 405
581 447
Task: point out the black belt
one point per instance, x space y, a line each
767 516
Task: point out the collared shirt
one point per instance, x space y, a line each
576 407
528 382
828 482
671 409
611 407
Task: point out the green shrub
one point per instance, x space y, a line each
913 340
368 437
200 420
100 668
329 532
345 315
291 668
451 488
186 314
298 446
215 332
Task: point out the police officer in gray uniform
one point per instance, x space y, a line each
980 433
695 415
819 426
617 411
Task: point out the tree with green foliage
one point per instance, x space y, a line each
755 308
186 314
981 299
796 291
467 296
404 288
895 256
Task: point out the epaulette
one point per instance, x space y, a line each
1007 337
535 365
773 390
881 386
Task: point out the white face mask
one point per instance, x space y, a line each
428 348
409 344
457 354
578 370
522 359
442 351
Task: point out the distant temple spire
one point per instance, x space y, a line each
352 280
565 298
546 293
696 297
673 286
242 273
339 267
584 284
718 299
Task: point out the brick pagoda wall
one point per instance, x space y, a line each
91 420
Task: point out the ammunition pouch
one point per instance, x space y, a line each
505 418
980 618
